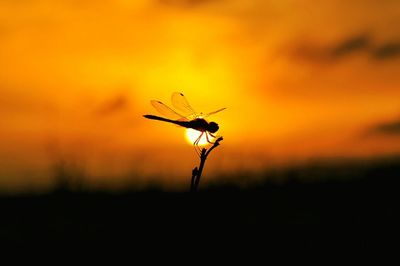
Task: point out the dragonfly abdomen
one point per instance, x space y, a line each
179 123
159 118
197 124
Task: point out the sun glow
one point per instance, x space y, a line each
191 136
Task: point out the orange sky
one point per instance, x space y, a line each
299 79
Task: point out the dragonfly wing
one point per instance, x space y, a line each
166 111
211 113
179 102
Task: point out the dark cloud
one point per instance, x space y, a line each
185 3
362 44
390 128
387 51
113 105
313 51
350 45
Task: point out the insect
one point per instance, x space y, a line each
185 116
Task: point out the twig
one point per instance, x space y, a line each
197 171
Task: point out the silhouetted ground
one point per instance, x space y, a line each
352 206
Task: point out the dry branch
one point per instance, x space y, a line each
197 171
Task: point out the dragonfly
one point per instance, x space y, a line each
185 116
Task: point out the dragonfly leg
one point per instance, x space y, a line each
196 149
208 138
196 144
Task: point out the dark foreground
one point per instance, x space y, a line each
344 212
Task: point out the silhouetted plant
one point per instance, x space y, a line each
68 175
197 171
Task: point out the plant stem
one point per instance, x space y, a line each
197 171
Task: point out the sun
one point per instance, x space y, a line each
191 135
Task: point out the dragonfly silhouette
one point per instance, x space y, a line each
187 116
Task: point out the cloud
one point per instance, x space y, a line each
362 44
185 3
113 105
390 128
350 45
387 51
317 52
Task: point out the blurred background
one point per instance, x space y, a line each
311 149
302 81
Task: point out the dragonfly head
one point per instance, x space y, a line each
213 127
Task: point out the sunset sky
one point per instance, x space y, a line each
300 80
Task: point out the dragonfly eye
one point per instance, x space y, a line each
213 127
